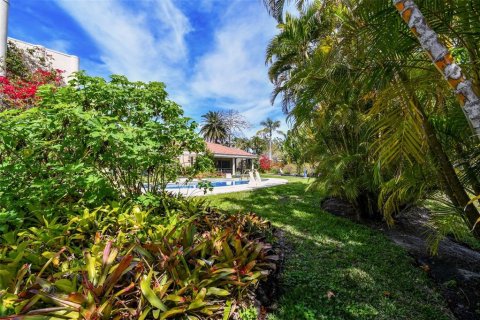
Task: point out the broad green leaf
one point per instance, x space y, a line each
149 294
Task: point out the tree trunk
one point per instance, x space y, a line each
443 61
270 147
453 187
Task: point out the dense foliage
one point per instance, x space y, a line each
90 142
370 110
176 259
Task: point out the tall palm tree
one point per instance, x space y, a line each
443 60
213 127
270 127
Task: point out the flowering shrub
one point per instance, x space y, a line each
98 140
21 93
27 70
265 163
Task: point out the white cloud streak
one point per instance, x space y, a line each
127 43
147 41
233 72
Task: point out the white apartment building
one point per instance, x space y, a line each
62 61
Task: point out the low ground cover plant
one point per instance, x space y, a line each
180 259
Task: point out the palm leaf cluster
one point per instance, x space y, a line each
214 128
369 108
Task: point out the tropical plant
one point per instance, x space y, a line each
214 128
123 261
270 127
336 56
99 140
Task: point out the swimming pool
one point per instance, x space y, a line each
215 184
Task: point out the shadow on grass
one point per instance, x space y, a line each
337 269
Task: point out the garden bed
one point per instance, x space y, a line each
183 259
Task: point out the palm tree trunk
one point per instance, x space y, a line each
443 61
452 185
270 148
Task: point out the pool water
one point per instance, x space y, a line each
215 184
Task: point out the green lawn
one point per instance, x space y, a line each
370 277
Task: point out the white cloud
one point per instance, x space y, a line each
233 72
235 68
127 41
175 26
145 40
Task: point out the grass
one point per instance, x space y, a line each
336 269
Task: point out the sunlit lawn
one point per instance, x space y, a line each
367 276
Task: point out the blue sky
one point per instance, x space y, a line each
210 53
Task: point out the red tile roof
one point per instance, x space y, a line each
218 149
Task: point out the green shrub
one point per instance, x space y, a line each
122 261
90 142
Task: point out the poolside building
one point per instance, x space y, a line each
227 159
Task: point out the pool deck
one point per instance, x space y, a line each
265 183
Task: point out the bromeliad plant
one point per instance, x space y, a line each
137 266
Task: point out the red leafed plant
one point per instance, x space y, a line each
21 93
26 71
265 163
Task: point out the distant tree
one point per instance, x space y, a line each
242 143
270 126
258 144
292 147
235 123
213 127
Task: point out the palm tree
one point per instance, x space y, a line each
443 60
213 127
270 127
388 81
